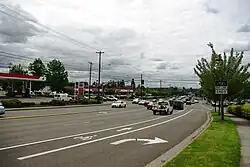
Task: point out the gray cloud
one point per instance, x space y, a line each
244 28
156 59
238 47
142 55
174 67
161 66
13 30
117 62
210 9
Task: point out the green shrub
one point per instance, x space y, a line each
92 101
240 111
13 103
28 104
45 103
58 103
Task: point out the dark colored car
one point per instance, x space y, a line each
188 102
178 105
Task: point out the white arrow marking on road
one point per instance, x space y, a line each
123 129
149 141
154 141
85 138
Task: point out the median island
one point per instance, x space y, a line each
218 146
14 103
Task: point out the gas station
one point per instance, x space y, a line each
27 80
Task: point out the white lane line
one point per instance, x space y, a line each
124 129
104 138
70 136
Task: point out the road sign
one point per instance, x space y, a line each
221 87
220 92
221 83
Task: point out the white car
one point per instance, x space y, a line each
119 104
196 101
111 98
62 97
135 101
2 110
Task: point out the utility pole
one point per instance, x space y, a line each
99 73
141 86
160 84
90 70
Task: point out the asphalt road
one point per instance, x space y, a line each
112 138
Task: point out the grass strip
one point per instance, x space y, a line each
218 146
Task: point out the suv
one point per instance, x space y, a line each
162 108
178 105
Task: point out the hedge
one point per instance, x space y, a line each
242 111
14 103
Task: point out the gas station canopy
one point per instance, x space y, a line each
22 77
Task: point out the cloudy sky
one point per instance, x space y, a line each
162 39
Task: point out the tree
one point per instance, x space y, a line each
224 67
17 85
57 76
17 69
39 69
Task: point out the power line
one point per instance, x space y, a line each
46 27
21 57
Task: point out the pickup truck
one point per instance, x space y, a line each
162 108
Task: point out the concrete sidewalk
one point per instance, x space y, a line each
243 127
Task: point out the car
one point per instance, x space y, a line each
188 102
135 101
154 100
62 97
196 101
2 110
150 105
162 108
111 98
143 102
178 104
119 104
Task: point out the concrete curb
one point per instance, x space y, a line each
53 107
173 152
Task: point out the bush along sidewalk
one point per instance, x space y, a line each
240 111
218 146
14 103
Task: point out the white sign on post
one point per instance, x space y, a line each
221 88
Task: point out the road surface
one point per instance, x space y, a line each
106 138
